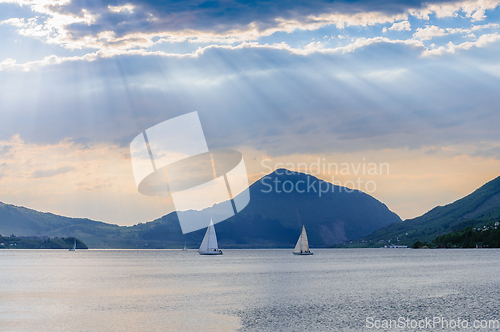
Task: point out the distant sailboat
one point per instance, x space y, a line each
74 246
302 246
185 248
209 244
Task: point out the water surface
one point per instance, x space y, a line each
242 290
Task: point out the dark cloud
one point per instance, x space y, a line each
215 16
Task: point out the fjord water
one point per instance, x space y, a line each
246 290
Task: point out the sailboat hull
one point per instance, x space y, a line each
303 253
218 252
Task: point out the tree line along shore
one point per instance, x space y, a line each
35 242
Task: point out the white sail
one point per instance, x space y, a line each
204 243
298 245
212 238
209 244
304 244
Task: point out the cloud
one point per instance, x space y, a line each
47 173
4 149
2 174
399 26
488 153
429 32
311 48
188 29
469 32
374 77
363 91
138 26
432 151
475 10
482 41
7 64
127 8
485 26
47 61
420 35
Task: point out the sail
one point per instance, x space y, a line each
210 240
297 246
74 244
304 244
204 243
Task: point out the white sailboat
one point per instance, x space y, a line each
209 244
302 246
185 248
74 246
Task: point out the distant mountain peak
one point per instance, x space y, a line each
282 180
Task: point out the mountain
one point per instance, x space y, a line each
21 221
273 218
478 208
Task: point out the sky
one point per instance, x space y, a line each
295 84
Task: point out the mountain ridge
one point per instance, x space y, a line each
479 207
271 219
